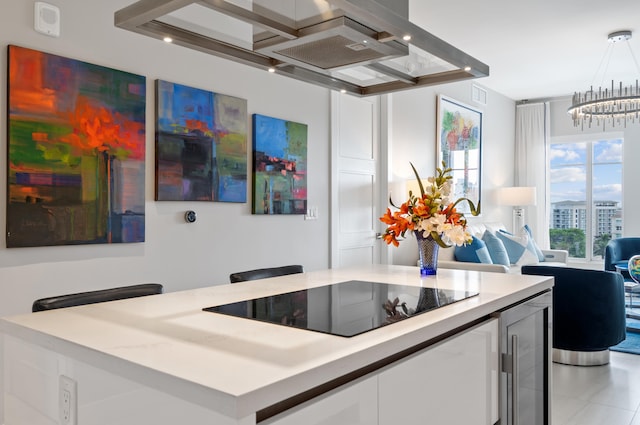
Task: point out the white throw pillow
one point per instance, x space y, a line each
519 247
533 242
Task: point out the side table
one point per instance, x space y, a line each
630 287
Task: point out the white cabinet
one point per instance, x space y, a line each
31 383
454 382
352 404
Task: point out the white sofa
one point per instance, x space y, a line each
446 258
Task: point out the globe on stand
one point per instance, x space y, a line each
634 268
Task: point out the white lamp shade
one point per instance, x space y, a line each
414 187
516 196
399 191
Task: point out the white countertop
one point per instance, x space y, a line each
238 366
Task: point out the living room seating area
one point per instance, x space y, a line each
494 249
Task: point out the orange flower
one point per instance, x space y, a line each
453 216
421 210
430 212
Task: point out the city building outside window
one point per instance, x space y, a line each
586 194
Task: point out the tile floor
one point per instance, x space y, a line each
599 395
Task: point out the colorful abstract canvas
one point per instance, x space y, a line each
279 166
201 145
76 152
460 147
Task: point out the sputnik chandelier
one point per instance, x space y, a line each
615 105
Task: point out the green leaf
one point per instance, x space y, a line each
419 181
436 237
474 210
392 204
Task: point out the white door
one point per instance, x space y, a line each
355 180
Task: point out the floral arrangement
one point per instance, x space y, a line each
431 213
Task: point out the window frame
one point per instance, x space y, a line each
589 139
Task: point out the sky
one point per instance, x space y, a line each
569 172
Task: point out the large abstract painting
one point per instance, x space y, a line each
279 166
460 147
76 152
201 145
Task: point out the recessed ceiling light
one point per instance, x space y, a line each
272 70
467 68
406 37
168 39
343 91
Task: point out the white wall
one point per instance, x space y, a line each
561 125
413 139
226 237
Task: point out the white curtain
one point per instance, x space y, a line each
532 147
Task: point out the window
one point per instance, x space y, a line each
586 194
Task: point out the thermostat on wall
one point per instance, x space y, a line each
47 19
190 217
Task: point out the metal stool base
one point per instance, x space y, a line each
581 358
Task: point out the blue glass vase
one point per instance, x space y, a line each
428 254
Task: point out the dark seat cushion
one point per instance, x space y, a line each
265 273
92 297
620 250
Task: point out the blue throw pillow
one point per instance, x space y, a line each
497 251
474 252
519 250
533 243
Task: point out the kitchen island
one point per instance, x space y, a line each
163 360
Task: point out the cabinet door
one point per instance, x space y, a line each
351 404
454 382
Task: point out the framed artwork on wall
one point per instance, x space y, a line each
201 145
279 166
459 142
76 152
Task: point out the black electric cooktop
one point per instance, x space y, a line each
344 309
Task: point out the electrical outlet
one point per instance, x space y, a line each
68 399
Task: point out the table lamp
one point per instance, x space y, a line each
518 198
